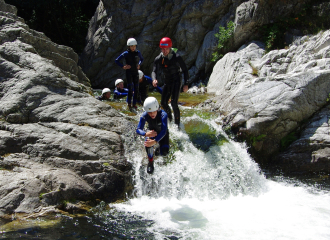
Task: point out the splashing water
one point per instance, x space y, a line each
207 188
221 194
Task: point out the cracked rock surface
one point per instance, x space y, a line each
57 142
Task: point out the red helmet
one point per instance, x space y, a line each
165 43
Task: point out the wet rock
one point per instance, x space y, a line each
312 148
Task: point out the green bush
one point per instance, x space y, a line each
306 21
287 140
223 36
256 139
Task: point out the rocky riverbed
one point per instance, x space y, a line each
60 145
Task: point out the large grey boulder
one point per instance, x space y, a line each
57 142
267 97
252 14
311 150
190 24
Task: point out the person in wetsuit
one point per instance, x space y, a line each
157 130
144 82
106 93
170 65
120 91
133 59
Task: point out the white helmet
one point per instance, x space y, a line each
140 74
105 90
118 81
150 104
131 42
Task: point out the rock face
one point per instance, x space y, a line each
190 24
57 142
275 98
311 151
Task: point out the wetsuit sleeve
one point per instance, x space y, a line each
118 59
163 130
149 80
184 69
154 69
141 124
141 58
159 89
116 92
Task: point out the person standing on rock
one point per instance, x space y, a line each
106 93
133 59
144 82
157 130
120 91
171 65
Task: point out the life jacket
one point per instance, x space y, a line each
170 66
155 124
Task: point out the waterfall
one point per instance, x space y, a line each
219 192
220 172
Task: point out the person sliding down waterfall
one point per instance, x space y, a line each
157 130
171 65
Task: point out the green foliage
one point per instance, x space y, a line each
175 49
216 56
66 201
287 140
41 195
272 38
223 36
256 139
63 21
305 21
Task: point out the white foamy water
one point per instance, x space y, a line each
222 194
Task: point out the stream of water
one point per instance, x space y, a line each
207 188
220 193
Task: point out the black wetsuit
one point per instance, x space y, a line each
132 76
171 67
159 124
